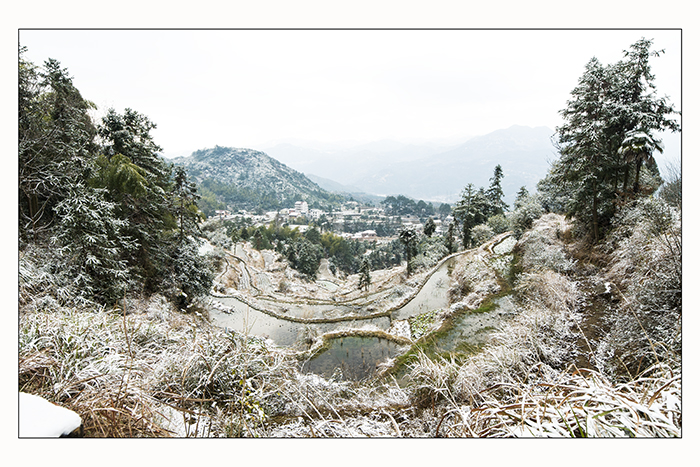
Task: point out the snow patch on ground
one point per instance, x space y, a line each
39 418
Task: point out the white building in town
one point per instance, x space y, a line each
301 207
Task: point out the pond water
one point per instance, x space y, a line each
434 294
243 318
472 329
355 358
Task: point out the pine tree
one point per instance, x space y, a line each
471 210
56 143
365 275
429 227
409 239
521 196
606 137
185 204
494 194
109 204
449 238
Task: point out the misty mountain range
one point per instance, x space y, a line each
287 172
427 171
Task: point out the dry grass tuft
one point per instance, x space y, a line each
586 404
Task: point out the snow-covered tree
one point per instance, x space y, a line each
409 240
89 243
56 141
365 275
429 227
471 210
494 194
607 136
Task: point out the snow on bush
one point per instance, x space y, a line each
541 250
481 234
646 270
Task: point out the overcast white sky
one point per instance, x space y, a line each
251 88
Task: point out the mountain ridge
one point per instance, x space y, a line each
431 172
252 179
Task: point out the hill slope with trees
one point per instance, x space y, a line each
101 215
251 180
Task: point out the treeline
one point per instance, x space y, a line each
219 195
403 206
304 251
98 208
606 147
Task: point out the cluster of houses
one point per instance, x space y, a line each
351 212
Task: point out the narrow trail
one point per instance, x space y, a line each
597 299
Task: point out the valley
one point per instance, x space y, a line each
309 316
470 289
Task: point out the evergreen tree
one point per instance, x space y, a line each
185 204
109 204
606 137
305 257
365 275
429 227
258 243
494 194
409 239
89 242
449 239
127 144
521 196
471 210
55 143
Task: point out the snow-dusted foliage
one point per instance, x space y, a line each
481 233
584 404
89 243
542 250
527 210
498 223
646 268
220 238
430 251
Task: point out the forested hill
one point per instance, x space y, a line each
250 179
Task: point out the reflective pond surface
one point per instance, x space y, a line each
243 318
434 294
353 358
472 329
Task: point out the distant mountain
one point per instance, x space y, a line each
431 172
332 185
347 165
523 153
350 191
250 179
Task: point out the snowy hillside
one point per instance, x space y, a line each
251 179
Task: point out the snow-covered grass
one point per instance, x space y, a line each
585 404
147 369
523 383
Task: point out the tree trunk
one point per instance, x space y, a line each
636 176
595 213
625 180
